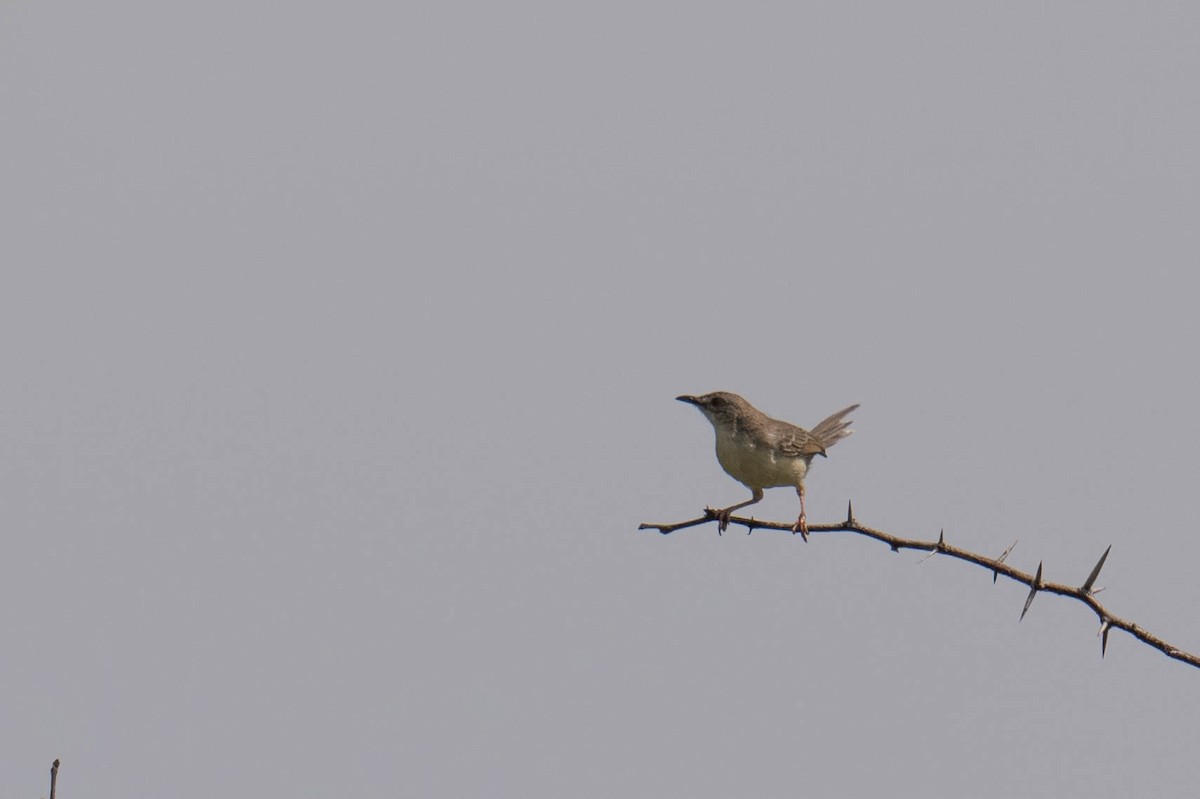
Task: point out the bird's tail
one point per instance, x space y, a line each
834 428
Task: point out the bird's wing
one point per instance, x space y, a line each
796 442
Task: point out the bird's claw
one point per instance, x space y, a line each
801 527
722 520
721 515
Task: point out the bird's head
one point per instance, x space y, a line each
719 406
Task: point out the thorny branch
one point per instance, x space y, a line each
1084 593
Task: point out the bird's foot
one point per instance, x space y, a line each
722 517
722 520
801 527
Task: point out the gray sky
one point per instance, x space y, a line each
340 344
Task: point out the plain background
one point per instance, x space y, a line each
340 344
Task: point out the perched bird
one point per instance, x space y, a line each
760 452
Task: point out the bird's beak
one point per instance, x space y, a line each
688 398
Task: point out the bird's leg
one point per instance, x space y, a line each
801 525
722 515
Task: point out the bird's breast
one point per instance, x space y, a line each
757 465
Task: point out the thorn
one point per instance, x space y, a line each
1104 628
1033 589
940 546
1000 559
850 512
1087 586
750 526
895 548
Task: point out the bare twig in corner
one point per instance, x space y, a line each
1084 593
53 778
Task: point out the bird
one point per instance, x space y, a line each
760 452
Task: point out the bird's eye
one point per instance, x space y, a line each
717 401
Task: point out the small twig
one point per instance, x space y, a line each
54 777
1084 593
